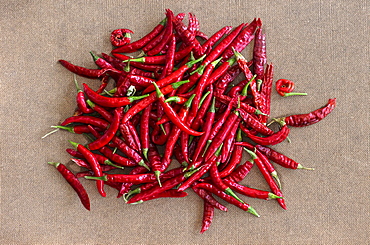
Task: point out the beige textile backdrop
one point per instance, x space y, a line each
322 45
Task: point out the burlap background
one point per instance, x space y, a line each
322 45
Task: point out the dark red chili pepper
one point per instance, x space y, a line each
242 205
144 130
235 159
110 102
118 159
109 134
168 193
302 120
120 37
208 198
128 151
188 37
74 182
134 46
125 187
80 99
95 166
208 213
82 163
254 123
266 92
173 116
280 158
229 142
250 192
285 88
82 71
259 53
166 34
104 84
170 58
246 107
204 104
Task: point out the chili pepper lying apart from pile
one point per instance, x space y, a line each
177 96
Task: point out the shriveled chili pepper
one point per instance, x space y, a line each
266 93
285 88
242 39
120 37
229 142
208 213
74 182
95 166
126 178
134 46
172 193
76 129
208 198
280 158
166 185
188 37
302 120
240 172
109 165
254 123
242 205
259 53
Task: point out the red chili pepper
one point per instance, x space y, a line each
250 192
134 46
302 120
173 116
266 93
128 151
242 39
273 139
95 166
254 123
259 53
188 37
274 188
82 71
280 158
120 37
208 214
110 102
74 182
166 34
208 198
109 134
170 58
285 88
206 46
239 173
126 178
242 205
98 122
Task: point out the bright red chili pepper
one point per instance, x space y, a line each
208 198
110 102
250 192
82 71
74 182
134 46
95 166
98 122
120 37
285 88
273 139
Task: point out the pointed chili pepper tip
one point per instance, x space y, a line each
253 211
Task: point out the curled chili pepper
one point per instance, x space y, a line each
285 88
120 37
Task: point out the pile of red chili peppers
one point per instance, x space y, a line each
195 96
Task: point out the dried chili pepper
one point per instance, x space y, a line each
74 182
120 37
285 88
